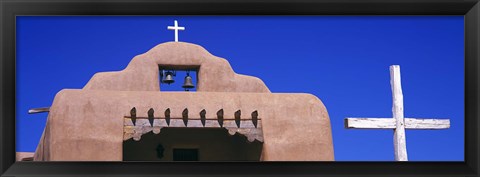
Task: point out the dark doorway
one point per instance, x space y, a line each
185 154
192 144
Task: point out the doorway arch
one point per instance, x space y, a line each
192 144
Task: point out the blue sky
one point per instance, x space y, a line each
343 60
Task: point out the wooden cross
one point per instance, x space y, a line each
398 122
176 28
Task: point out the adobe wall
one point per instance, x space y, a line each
87 124
22 156
295 126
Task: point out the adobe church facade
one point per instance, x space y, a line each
125 115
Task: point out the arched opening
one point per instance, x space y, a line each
173 77
192 144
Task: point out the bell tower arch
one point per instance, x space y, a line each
178 77
142 73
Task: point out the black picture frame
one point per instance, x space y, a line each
10 9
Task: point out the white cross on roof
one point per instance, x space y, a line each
176 28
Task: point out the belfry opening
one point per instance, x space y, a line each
178 77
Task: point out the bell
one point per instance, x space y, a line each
188 83
168 78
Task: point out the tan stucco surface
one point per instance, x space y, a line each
87 124
295 126
21 155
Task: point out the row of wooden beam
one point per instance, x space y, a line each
220 117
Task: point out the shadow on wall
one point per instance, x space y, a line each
192 144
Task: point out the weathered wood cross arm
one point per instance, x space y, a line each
389 123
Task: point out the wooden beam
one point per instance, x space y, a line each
389 123
134 127
370 123
399 142
143 126
38 110
427 124
202 116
